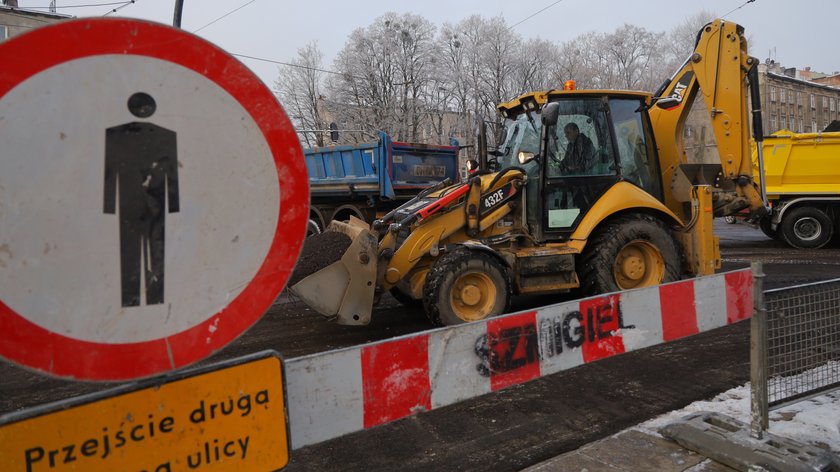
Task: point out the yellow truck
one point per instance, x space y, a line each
802 178
591 191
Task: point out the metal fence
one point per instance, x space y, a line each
795 344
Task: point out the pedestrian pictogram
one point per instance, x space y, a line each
142 158
153 199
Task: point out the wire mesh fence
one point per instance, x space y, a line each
803 341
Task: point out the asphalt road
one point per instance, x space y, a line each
519 426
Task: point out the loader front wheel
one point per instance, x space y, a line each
465 286
629 252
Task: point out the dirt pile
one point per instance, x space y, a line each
319 251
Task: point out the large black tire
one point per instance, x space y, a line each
764 225
312 228
630 251
464 286
404 297
806 228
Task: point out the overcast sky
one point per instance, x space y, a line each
796 34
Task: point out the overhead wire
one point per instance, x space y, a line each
130 2
125 4
76 6
226 15
735 9
297 65
348 75
537 13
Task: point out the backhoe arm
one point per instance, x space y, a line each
721 70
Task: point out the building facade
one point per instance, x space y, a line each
796 100
790 102
15 21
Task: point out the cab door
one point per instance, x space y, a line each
580 164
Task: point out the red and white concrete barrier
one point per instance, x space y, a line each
339 392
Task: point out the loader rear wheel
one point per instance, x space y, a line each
806 228
629 252
465 286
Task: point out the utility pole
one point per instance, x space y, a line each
179 7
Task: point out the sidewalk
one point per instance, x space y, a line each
814 421
630 451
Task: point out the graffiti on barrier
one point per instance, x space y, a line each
509 349
514 347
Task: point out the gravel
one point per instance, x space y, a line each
319 251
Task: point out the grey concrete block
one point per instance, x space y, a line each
728 441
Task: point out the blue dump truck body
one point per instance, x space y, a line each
372 178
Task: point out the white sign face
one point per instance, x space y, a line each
67 250
145 202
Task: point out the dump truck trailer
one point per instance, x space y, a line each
802 178
367 180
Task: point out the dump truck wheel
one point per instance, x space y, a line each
730 220
764 225
806 228
466 286
629 252
312 228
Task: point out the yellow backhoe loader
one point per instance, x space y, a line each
591 190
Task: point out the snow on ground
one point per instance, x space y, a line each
814 421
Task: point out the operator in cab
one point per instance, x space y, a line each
580 153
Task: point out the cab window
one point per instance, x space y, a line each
636 165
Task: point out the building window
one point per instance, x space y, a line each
813 102
782 122
4 33
799 98
773 123
792 122
772 94
800 125
831 104
825 102
813 126
782 95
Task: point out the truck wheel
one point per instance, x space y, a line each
806 228
629 252
730 220
312 228
764 225
466 286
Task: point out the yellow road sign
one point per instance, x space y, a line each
230 417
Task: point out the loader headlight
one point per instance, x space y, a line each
525 157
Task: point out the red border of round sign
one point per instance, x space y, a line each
30 345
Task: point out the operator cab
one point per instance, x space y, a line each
574 146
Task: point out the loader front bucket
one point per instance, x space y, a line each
345 288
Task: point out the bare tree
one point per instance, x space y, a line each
631 49
536 66
385 69
398 75
680 39
298 87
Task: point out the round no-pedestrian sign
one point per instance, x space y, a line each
153 199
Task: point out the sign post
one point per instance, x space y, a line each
153 199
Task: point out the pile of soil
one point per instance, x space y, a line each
319 251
